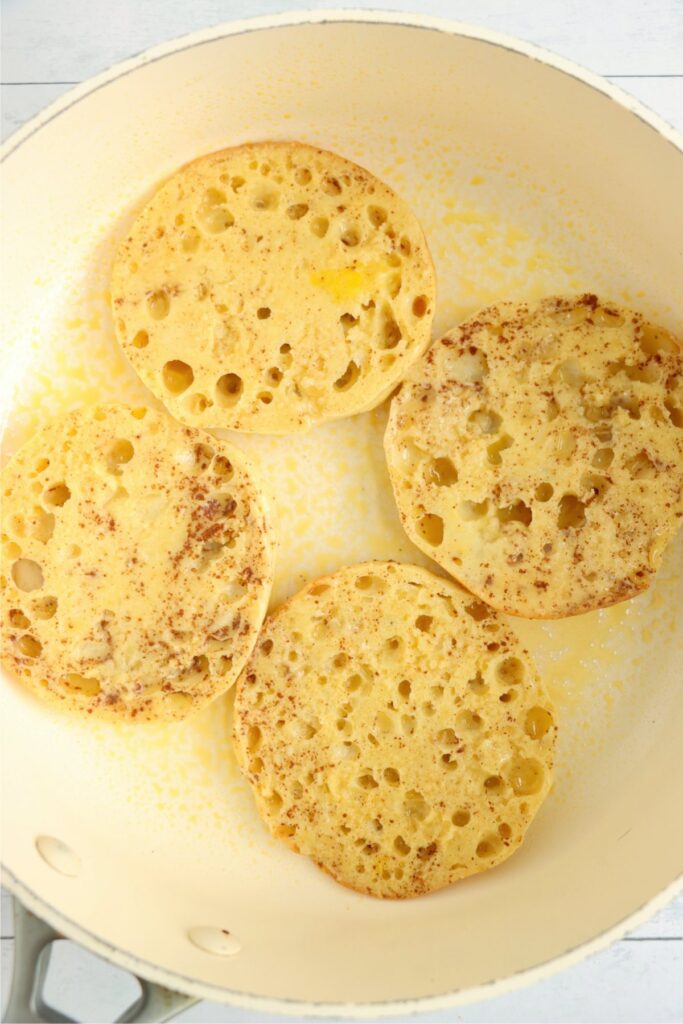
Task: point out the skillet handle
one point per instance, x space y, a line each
32 941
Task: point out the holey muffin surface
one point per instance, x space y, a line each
536 453
137 564
273 286
393 729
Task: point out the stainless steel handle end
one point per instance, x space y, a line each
25 1005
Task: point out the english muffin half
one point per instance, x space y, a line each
393 729
273 286
137 564
536 453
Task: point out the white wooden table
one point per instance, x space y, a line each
50 45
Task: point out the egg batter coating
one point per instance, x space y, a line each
536 453
394 730
137 564
273 286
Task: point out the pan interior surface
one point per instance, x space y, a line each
527 181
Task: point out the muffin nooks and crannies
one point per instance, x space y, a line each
536 453
394 730
273 286
137 564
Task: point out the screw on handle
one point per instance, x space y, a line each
32 942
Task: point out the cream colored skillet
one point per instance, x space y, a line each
530 176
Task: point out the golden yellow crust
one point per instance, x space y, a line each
137 564
536 453
273 286
394 730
